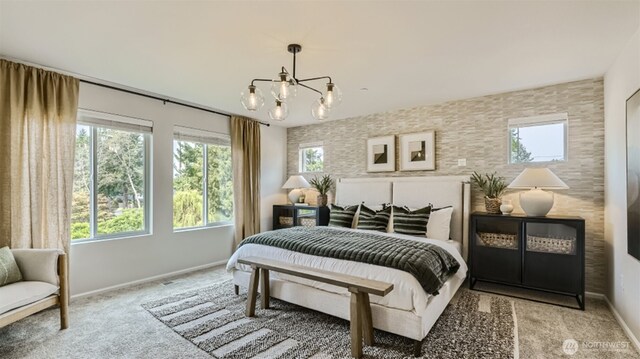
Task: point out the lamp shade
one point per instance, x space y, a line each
296 182
541 178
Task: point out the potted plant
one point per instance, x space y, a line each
323 185
493 186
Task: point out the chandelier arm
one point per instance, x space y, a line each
260 80
315 78
310 88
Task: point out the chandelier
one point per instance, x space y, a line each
285 87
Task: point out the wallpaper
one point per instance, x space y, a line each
476 130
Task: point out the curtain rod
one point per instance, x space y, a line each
164 100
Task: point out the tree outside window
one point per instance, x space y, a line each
312 159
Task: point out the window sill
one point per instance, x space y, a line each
105 239
212 226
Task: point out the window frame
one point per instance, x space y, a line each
205 180
301 159
127 123
533 121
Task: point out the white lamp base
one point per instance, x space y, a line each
294 195
536 202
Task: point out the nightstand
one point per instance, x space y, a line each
540 253
286 216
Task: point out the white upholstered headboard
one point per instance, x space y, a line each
414 192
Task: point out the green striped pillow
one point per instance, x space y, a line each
9 271
374 220
406 221
342 216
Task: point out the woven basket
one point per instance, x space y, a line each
286 221
498 240
492 205
308 222
551 245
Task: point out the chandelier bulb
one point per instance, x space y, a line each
283 88
332 96
319 109
280 112
252 98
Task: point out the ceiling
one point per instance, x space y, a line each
405 53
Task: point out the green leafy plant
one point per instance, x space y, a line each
323 184
492 185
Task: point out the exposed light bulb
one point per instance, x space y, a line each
332 96
252 98
319 110
283 88
280 112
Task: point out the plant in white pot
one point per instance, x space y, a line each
323 185
493 187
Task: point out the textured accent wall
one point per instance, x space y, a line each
476 129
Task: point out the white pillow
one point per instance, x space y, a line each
439 224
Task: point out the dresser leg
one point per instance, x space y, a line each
236 289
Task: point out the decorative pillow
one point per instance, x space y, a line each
406 221
439 224
9 271
374 220
342 216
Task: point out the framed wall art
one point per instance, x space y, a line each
633 175
418 151
381 154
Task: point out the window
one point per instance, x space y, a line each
110 179
202 179
311 157
538 139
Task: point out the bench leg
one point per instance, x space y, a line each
236 289
367 325
356 325
253 292
264 288
417 348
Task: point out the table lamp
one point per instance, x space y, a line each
536 202
295 183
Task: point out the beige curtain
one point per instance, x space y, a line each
37 141
245 153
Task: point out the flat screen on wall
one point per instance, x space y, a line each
633 175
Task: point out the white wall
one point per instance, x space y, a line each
620 82
273 159
101 264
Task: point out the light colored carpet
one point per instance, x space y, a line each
213 319
114 325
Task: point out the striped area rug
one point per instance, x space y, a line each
474 325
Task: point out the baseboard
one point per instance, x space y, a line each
623 324
595 295
149 279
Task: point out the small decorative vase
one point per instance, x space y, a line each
322 200
506 207
492 205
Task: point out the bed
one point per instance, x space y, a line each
408 310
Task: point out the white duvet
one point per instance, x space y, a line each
407 294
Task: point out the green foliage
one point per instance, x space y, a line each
220 184
130 220
313 161
187 209
519 152
492 185
323 184
80 230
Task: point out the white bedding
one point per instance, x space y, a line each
407 293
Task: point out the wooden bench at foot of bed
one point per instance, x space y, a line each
360 288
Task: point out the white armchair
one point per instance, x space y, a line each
44 284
